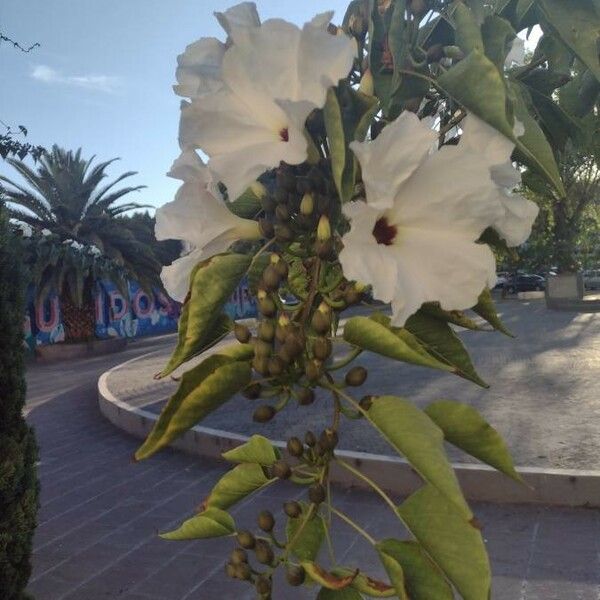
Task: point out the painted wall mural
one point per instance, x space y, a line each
137 315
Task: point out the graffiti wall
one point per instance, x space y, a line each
138 314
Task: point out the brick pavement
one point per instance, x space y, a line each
97 540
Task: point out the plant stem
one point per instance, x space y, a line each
267 245
353 524
345 360
368 481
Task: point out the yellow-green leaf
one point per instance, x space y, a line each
257 449
486 309
211 523
307 545
452 542
201 390
466 429
212 283
395 572
235 485
366 585
422 579
412 433
368 334
327 579
468 33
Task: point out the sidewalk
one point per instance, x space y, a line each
100 512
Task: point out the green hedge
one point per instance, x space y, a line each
19 487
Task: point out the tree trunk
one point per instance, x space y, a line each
79 321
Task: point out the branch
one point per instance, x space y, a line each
18 46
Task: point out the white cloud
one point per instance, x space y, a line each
101 83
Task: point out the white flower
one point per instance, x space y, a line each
73 244
273 76
199 217
94 250
414 239
45 232
199 67
516 56
518 213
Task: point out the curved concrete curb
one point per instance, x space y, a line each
565 487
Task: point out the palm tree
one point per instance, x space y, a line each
64 195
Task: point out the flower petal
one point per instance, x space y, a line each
516 223
389 160
240 15
199 68
176 276
442 267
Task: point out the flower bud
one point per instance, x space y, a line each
351 295
266 520
268 203
282 268
258 189
262 349
267 307
276 366
238 556
328 439
252 390
231 570
261 364
367 85
323 229
281 195
453 52
295 575
263 583
285 179
282 214
264 552
356 376
294 343
266 228
323 204
246 540
303 185
266 331
312 370
310 439
281 470
366 402
307 205
295 447
242 333
243 571
292 509
271 277
263 414
321 322
283 233
324 250
305 396
317 493
322 348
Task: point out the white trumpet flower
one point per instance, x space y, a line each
414 239
272 77
199 217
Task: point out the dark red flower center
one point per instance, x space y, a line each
283 134
384 233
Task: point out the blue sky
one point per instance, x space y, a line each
102 78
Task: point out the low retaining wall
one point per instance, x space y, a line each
67 351
564 487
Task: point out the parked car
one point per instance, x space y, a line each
524 283
501 279
591 279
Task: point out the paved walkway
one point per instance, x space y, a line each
544 396
97 540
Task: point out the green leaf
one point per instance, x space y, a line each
476 83
256 270
395 572
297 279
247 205
523 7
498 34
235 485
421 577
486 309
466 429
367 585
456 317
337 145
345 594
442 343
307 546
211 523
382 74
325 578
368 334
577 24
257 449
468 33
212 283
201 390
413 434
451 541
533 145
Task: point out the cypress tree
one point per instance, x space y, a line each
19 488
